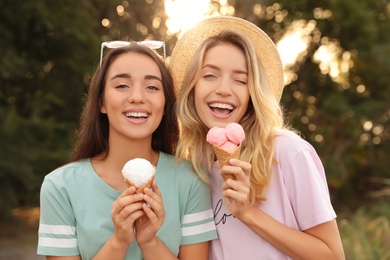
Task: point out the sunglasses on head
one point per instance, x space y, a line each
154 45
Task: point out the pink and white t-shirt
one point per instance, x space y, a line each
297 196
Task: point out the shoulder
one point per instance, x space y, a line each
295 154
181 171
289 144
292 141
68 173
170 163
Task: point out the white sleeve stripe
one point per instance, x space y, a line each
200 216
195 230
57 242
57 229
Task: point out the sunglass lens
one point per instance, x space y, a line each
117 44
152 44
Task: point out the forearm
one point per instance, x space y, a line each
156 249
112 249
294 243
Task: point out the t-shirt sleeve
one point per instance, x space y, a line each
198 220
307 189
57 233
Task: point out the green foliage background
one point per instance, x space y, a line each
50 49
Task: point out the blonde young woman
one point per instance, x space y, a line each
87 210
278 206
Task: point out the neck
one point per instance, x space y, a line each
123 149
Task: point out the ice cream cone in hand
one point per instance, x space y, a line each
223 157
141 188
226 143
139 173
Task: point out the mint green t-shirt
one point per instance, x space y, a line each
76 209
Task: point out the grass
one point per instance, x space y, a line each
366 232
22 228
19 235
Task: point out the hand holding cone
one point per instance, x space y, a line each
224 156
140 174
141 188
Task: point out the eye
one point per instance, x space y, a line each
152 87
122 86
209 75
240 81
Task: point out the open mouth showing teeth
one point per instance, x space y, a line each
221 108
137 115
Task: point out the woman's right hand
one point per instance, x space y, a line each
237 190
148 226
125 210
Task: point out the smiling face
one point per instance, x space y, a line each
221 92
133 96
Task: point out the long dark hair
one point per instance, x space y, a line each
93 130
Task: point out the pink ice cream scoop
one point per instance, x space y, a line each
229 146
226 144
235 133
232 134
216 136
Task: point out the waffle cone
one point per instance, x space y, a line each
224 156
140 189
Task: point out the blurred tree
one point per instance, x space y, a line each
49 51
339 94
138 20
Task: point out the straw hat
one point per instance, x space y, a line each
192 39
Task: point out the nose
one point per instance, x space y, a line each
224 87
136 94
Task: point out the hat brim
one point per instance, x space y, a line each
192 39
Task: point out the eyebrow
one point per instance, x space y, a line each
218 68
126 75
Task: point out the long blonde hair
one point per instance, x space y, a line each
262 117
